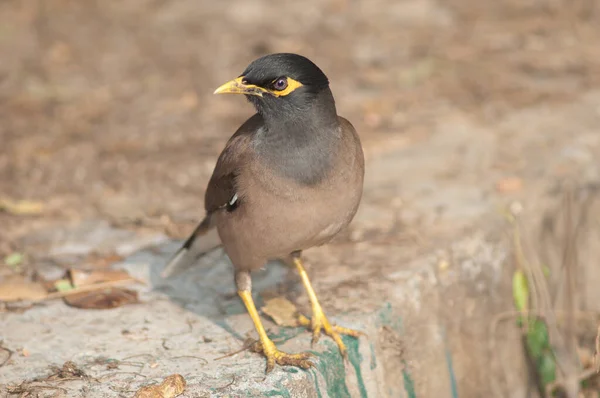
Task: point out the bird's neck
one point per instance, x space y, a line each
302 147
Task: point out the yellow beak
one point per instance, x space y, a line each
237 86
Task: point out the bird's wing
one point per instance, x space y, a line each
220 194
221 191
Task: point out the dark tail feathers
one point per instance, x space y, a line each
203 239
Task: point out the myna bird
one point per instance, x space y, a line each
290 178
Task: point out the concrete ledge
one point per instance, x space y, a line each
185 323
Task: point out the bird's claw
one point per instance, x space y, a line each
274 356
320 322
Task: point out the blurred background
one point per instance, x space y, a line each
106 100
107 112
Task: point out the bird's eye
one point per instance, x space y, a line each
280 84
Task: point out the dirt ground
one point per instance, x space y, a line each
107 108
107 112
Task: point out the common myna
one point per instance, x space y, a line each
290 178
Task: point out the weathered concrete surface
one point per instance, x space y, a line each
423 275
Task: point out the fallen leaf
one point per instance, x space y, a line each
586 357
171 387
105 261
282 311
18 288
521 291
67 371
14 260
21 207
102 299
82 278
509 184
63 285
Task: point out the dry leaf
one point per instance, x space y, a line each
282 311
14 260
104 261
68 371
18 288
21 207
102 299
509 184
586 357
82 278
171 387
63 285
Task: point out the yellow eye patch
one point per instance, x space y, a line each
291 86
239 86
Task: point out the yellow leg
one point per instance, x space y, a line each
319 320
267 347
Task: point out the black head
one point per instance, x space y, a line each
279 84
265 71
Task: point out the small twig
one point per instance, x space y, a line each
21 389
190 323
66 379
137 356
120 373
569 265
492 346
9 351
506 315
248 343
597 353
88 288
228 385
560 383
190 356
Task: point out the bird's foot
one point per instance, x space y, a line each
274 356
320 322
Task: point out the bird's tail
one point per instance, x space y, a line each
204 239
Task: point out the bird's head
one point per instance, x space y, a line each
279 84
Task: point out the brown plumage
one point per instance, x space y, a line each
289 179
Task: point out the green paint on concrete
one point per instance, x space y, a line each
449 363
355 359
453 384
331 366
313 373
409 385
278 393
373 357
386 317
282 390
